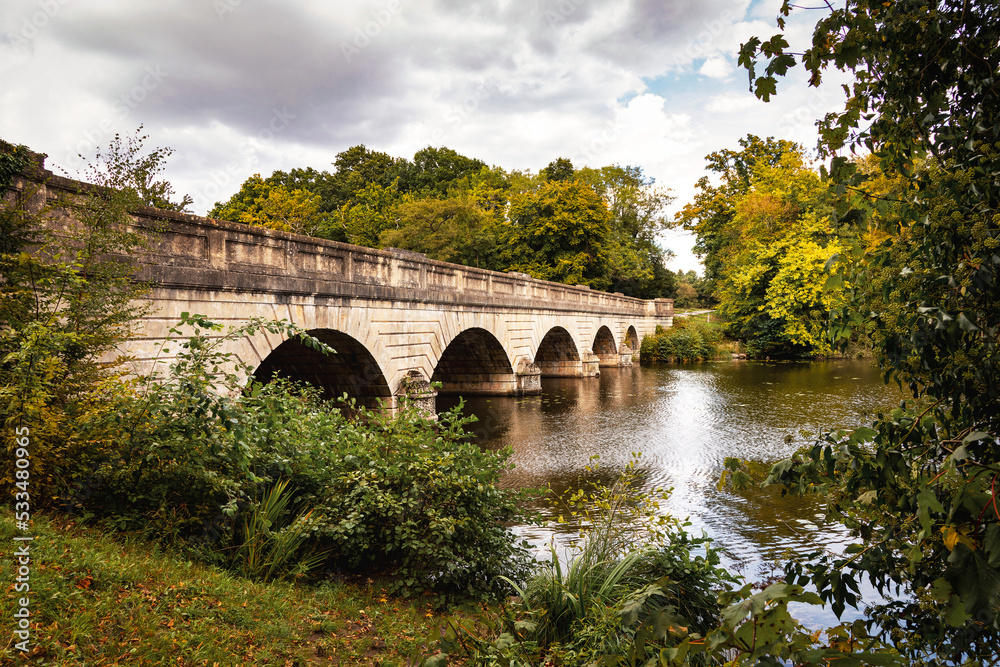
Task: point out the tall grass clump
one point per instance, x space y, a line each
634 576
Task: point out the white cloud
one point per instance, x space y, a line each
515 84
716 68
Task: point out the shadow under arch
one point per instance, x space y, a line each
352 370
604 347
475 363
632 339
557 355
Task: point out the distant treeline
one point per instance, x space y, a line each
594 227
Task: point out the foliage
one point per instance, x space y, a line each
684 342
418 501
14 159
268 549
454 229
918 486
768 233
266 204
456 209
203 465
98 598
600 608
124 168
559 232
711 215
433 171
66 302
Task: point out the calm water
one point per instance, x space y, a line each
685 420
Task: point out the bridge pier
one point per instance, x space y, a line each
589 366
625 355
474 380
416 390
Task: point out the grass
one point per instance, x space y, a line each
98 599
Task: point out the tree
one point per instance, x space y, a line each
434 170
710 215
369 214
918 488
772 282
67 299
636 263
263 203
687 295
560 169
559 232
454 230
358 168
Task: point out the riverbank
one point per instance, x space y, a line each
101 599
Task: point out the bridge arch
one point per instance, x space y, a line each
558 355
352 370
475 362
604 347
632 339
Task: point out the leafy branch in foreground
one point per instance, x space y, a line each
918 487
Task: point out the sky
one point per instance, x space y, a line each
238 87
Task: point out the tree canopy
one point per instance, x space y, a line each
596 227
918 487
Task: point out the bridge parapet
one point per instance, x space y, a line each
396 318
193 251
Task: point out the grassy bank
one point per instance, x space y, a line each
97 599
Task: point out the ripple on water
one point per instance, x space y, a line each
685 421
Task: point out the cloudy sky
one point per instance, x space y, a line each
238 87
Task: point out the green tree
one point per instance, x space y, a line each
918 488
356 170
560 169
710 215
268 204
68 298
636 261
369 214
772 284
434 170
559 232
454 229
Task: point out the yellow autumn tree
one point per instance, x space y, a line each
773 286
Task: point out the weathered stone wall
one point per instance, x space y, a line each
396 317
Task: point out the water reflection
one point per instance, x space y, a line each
686 420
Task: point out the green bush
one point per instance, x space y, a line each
201 459
684 342
637 583
416 500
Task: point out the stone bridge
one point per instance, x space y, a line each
397 319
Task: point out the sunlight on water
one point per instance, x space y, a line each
685 420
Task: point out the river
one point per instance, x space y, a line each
685 420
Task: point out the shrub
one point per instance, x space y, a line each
219 469
684 342
635 577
